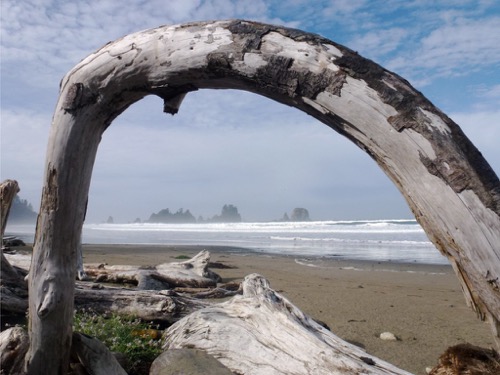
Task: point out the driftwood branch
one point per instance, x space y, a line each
161 306
146 303
8 191
451 189
95 356
261 332
92 355
14 343
193 273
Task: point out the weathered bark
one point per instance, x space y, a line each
8 190
261 332
451 189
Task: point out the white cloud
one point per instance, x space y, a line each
457 48
377 43
492 92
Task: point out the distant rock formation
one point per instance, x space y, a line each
165 216
21 211
229 214
300 214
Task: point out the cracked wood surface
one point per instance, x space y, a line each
261 332
451 189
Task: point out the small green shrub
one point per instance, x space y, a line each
182 257
140 342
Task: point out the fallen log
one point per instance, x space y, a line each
261 332
161 306
192 273
14 343
95 356
222 291
13 287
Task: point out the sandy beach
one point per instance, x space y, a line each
422 305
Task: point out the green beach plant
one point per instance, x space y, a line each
182 257
139 342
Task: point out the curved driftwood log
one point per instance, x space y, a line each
451 189
261 332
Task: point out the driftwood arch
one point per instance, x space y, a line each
450 188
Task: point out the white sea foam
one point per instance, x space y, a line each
379 240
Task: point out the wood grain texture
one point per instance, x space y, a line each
261 332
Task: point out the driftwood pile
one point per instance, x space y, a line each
257 331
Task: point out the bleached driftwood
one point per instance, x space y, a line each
8 190
193 272
95 356
91 353
162 306
159 305
451 189
261 332
13 286
14 343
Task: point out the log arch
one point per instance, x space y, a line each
450 188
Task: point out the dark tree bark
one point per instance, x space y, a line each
451 189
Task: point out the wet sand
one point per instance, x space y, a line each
422 305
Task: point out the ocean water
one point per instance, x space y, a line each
374 240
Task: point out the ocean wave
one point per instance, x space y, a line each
347 240
375 226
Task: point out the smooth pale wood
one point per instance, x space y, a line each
451 189
162 306
14 343
148 305
95 356
8 190
261 332
193 272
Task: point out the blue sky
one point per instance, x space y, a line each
235 147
